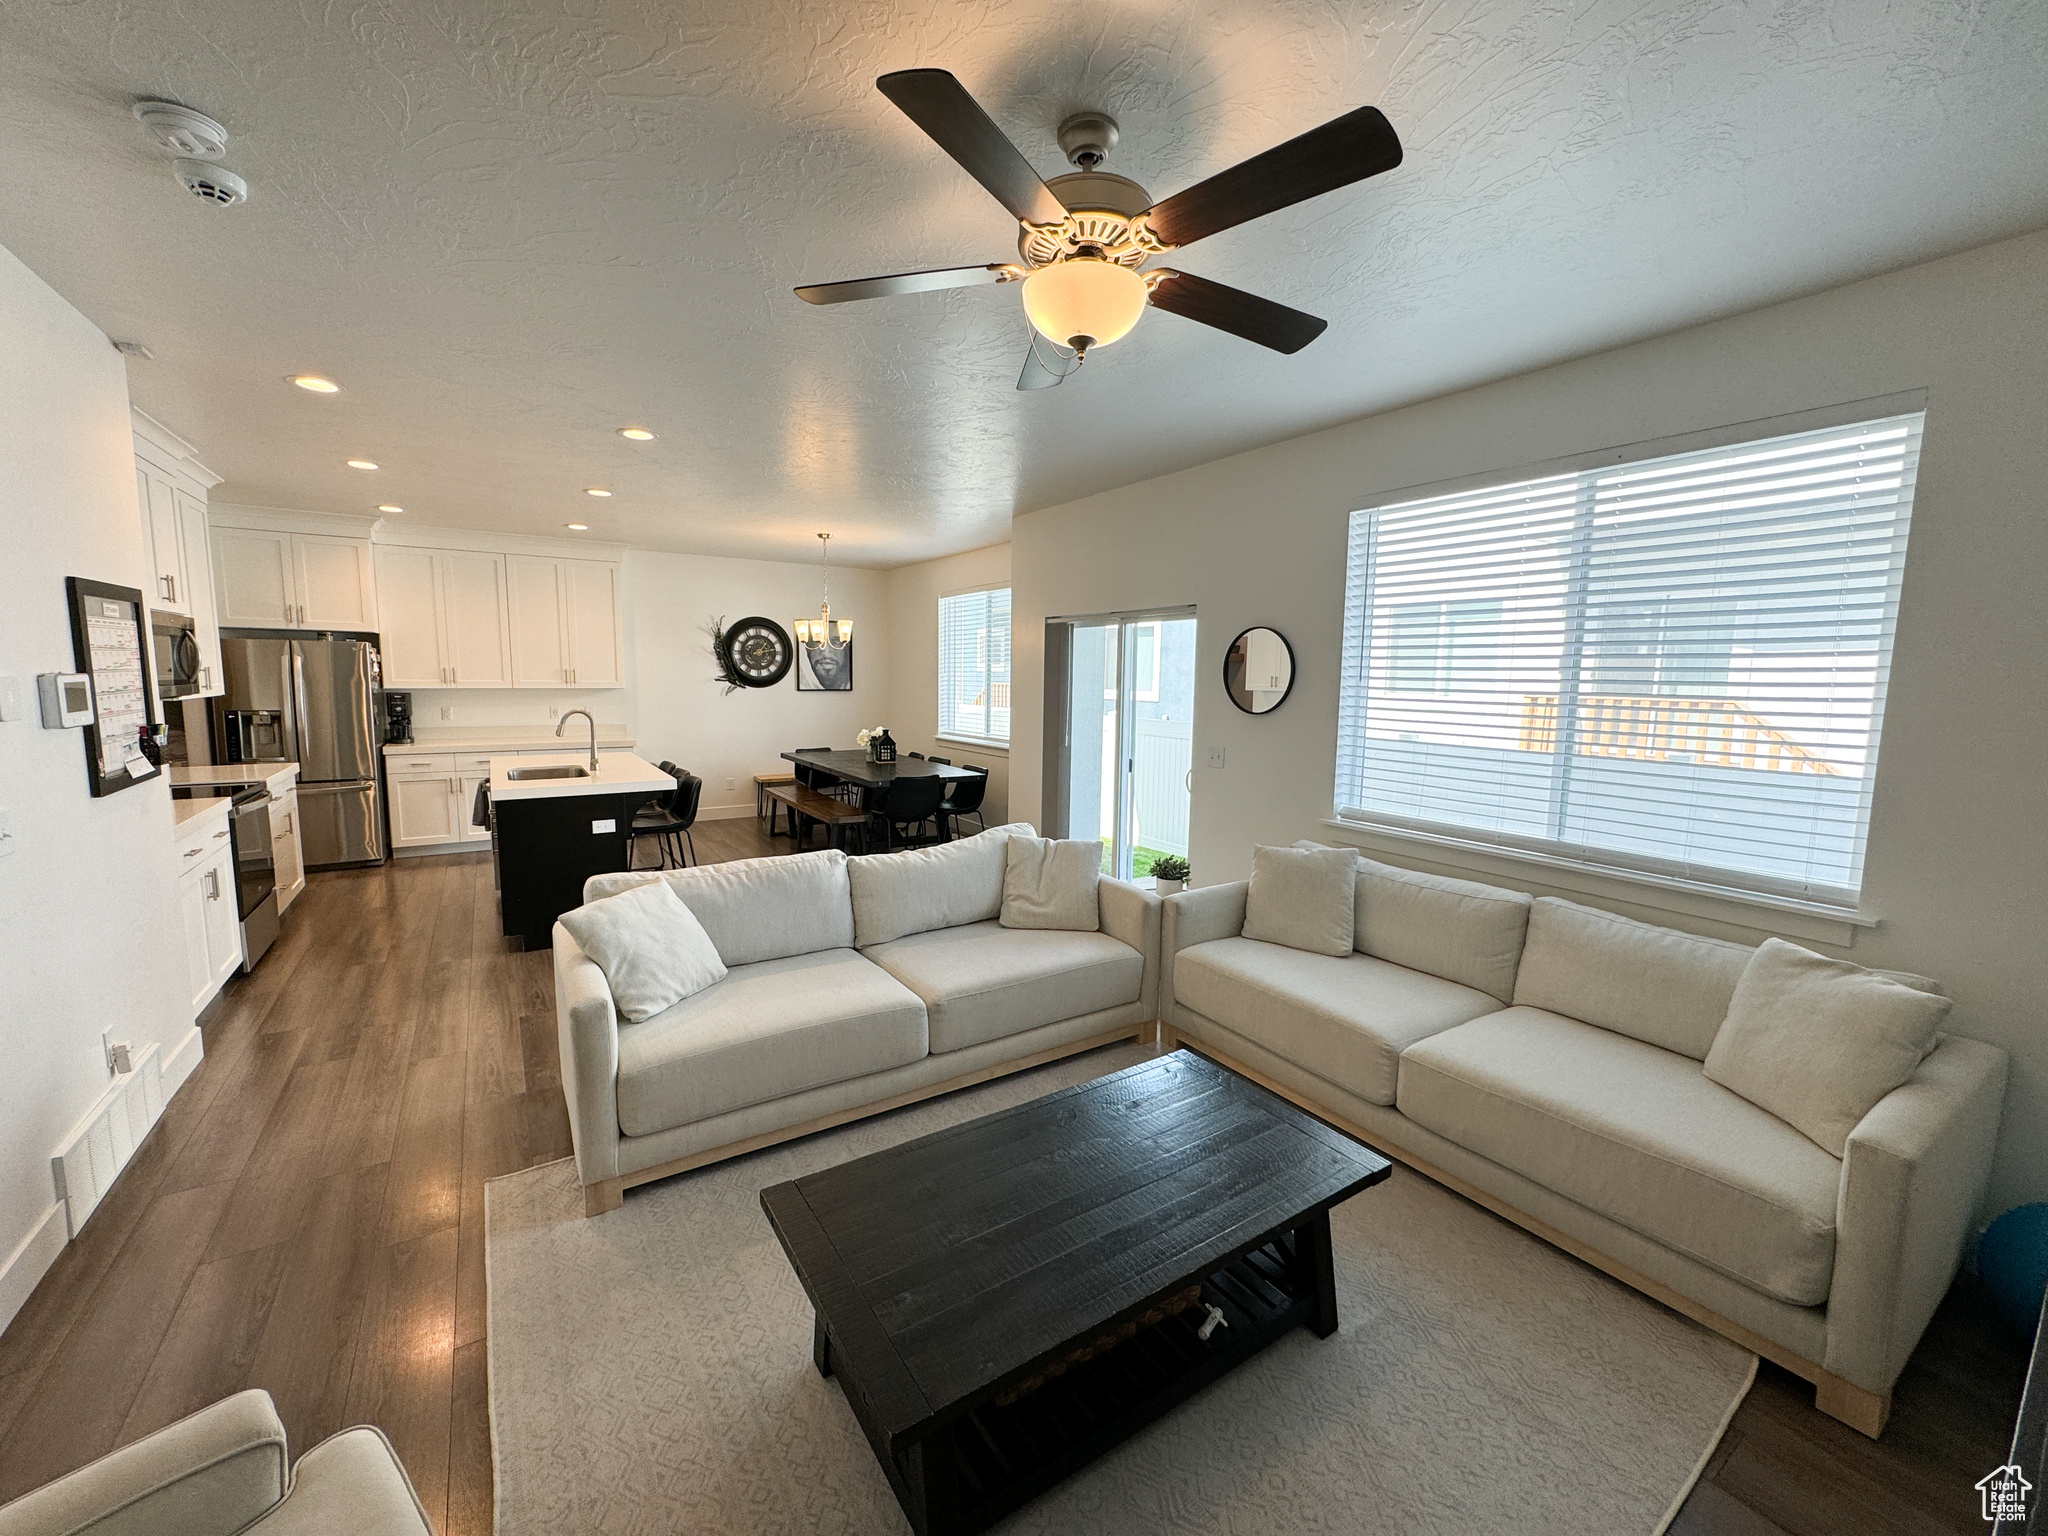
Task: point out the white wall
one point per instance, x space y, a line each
89 927
1958 857
913 713
679 710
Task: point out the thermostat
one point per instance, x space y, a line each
67 699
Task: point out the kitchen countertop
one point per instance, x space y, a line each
185 812
239 773
506 739
619 774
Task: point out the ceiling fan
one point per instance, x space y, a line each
1084 236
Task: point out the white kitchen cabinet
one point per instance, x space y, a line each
206 908
465 807
446 618
267 579
565 623
287 852
170 494
223 923
423 807
409 605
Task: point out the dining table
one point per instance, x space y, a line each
854 765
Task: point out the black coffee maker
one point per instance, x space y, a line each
398 719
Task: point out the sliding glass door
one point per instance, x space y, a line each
1128 697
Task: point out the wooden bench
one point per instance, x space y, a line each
763 782
808 805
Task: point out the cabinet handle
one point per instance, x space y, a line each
174 587
213 885
219 835
193 853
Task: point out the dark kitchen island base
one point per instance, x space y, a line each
1009 1299
546 848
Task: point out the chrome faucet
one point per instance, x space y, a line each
593 735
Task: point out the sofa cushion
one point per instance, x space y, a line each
651 948
1304 898
1656 984
1457 929
924 888
1639 1135
760 909
1818 1042
1051 883
984 981
772 1028
1346 1020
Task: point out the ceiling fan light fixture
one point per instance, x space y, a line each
1084 302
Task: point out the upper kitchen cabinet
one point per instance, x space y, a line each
565 623
171 487
448 624
272 572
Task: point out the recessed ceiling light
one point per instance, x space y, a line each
595 490
362 463
387 507
315 383
637 434
579 527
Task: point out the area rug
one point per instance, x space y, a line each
650 1374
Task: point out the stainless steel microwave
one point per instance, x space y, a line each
174 643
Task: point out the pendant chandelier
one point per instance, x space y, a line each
824 632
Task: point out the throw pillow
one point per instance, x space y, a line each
651 948
1048 884
1303 898
1818 1042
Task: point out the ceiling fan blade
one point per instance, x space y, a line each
904 282
1346 149
1036 375
1234 310
940 105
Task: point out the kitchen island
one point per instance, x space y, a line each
555 823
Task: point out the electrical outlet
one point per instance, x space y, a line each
1215 757
731 783
447 711
554 712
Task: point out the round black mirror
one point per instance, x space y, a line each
1258 671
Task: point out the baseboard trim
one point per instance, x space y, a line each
182 1061
609 1194
31 1260
1858 1407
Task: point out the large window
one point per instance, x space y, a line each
1673 665
974 665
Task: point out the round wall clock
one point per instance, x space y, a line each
757 653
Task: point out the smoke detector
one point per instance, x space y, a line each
182 131
211 183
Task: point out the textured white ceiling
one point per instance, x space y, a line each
510 227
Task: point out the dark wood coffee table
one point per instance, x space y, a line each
1004 1301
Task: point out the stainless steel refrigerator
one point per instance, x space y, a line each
311 702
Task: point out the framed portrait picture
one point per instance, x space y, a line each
824 668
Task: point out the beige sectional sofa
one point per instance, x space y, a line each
1544 1059
854 986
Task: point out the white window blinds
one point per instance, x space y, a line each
1675 665
974 665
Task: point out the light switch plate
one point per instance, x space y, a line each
10 698
1215 758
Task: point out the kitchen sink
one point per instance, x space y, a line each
551 771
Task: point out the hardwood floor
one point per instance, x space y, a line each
307 1217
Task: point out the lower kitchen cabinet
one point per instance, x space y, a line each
212 927
423 809
287 851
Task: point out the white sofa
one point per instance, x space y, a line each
222 1471
1544 1059
854 986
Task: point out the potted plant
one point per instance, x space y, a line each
1169 874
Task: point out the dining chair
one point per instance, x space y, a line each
669 817
964 796
918 755
943 762
907 802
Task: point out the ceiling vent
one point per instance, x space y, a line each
182 131
211 183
